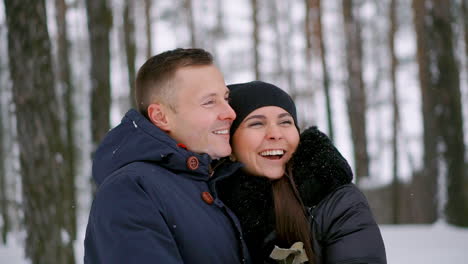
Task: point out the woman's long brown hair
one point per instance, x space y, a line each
291 221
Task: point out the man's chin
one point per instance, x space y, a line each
221 153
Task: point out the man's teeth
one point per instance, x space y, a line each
221 132
272 152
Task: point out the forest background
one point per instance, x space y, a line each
386 80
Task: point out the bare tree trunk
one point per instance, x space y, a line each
130 48
426 195
190 22
317 29
3 186
279 72
396 115
42 148
464 17
149 36
64 72
356 100
464 8
309 14
99 24
447 86
219 29
256 38
289 52
4 138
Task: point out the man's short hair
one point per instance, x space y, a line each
153 79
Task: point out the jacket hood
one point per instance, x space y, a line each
318 167
136 139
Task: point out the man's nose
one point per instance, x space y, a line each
227 113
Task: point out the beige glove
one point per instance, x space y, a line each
293 255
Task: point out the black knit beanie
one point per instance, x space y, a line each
247 97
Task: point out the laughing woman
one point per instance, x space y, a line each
294 188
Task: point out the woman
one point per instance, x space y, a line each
326 212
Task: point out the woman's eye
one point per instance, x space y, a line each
286 122
255 124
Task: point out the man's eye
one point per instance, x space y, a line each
210 102
286 122
227 99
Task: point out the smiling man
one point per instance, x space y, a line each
156 201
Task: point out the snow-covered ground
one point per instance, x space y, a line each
425 244
405 244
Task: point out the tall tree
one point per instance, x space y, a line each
396 116
64 74
430 127
464 15
464 18
148 28
190 22
3 185
256 38
289 50
446 83
130 47
218 32
274 17
356 96
42 148
99 24
5 214
315 38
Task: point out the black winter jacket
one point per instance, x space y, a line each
156 202
344 230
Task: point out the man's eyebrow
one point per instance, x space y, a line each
208 95
255 116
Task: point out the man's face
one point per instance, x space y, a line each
203 116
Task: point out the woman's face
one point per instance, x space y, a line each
265 141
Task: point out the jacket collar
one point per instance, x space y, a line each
318 167
136 139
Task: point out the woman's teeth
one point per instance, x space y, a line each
278 152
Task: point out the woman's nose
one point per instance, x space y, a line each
273 132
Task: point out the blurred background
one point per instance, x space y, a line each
386 80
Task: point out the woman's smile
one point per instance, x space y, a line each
265 141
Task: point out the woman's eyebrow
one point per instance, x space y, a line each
283 115
255 116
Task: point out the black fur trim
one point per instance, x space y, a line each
318 167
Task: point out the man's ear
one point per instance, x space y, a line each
157 114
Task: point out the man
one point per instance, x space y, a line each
156 201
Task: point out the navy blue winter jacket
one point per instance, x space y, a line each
153 202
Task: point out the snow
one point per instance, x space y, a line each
405 244
438 243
